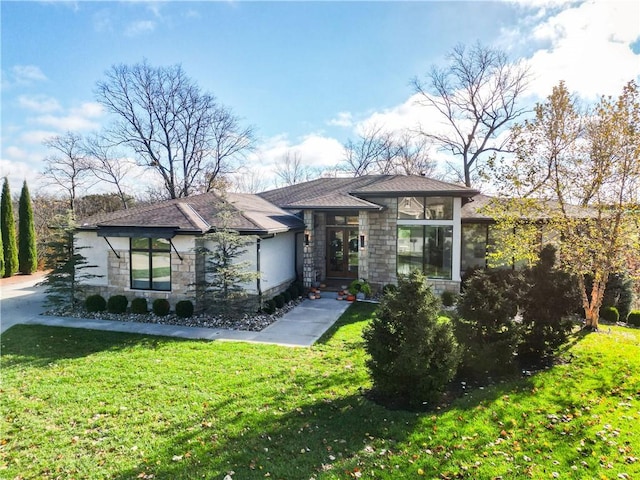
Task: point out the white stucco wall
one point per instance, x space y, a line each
277 260
95 250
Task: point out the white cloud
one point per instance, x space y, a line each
140 27
586 45
80 118
343 119
36 137
39 103
27 74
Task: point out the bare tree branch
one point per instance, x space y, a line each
172 127
477 95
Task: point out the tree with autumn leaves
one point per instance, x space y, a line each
575 172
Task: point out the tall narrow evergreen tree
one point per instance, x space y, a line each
9 244
27 253
64 283
1 251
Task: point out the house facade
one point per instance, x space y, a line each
375 227
378 227
152 251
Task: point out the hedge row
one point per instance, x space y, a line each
118 304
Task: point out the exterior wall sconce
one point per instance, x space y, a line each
362 242
307 239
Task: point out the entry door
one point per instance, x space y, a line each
342 252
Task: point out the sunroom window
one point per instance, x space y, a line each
151 264
427 248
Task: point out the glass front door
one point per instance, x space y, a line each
342 252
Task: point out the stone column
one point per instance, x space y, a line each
308 264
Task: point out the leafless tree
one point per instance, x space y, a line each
365 154
378 150
108 166
67 168
412 155
477 94
290 170
247 180
172 127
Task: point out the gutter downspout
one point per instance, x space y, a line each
258 285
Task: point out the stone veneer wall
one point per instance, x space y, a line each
183 274
380 251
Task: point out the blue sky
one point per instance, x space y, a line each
306 75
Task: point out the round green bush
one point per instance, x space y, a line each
389 288
293 291
634 318
184 309
139 305
117 304
161 307
609 314
95 303
269 307
279 301
287 296
448 298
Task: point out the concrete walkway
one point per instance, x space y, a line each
21 303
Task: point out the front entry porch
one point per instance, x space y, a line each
342 253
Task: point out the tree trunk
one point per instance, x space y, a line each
592 303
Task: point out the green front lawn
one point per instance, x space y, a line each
84 404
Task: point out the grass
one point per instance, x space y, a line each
85 404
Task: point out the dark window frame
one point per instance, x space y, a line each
149 250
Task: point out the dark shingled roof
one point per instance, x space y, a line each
199 214
350 193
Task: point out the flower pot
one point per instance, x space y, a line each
312 296
351 298
360 296
339 297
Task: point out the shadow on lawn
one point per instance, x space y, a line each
321 435
37 346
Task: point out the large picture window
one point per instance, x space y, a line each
150 264
425 208
427 248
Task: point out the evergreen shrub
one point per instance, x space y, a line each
184 309
485 326
269 307
287 296
634 318
117 304
413 354
448 298
609 314
161 307
139 305
95 303
279 301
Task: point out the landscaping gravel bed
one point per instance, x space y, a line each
253 323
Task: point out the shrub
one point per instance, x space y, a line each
448 298
389 288
634 318
609 314
360 286
269 307
294 291
279 301
139 305
549 297
161 307
413 354
117 304
184 308
95 303
485 329
286 296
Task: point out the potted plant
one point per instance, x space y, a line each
360 288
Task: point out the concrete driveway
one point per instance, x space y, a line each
21 302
